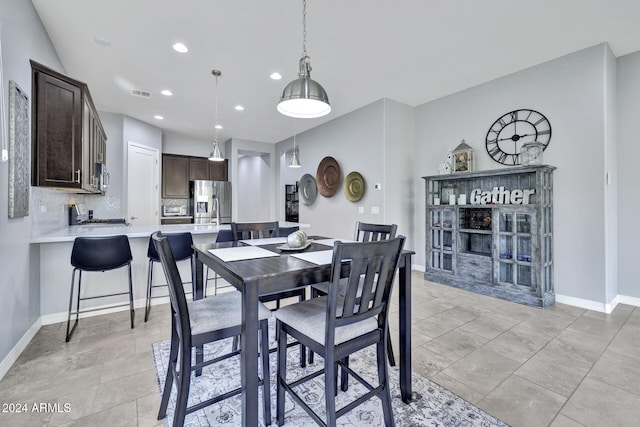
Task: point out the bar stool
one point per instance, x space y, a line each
98 254
182 248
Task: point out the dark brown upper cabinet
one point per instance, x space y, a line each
67 137
178 170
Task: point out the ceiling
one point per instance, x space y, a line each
411 51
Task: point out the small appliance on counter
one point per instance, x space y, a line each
174 210
78 215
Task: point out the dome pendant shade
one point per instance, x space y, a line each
304 98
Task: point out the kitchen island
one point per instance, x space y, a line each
51 252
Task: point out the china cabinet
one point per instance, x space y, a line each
492 232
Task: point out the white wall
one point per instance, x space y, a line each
175 143
356 141
628 105
23 38
255 192
570 92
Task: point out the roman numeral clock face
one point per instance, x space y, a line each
507 134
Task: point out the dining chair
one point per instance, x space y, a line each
182 249
365 232
285 231
98 254
337 325
262 230
199 322
223 236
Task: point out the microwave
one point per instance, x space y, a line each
177 210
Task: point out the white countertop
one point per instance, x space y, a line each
68 234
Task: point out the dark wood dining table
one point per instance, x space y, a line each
255 277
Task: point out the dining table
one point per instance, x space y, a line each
264 266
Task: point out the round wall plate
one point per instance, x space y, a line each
354 187
328 176
308 189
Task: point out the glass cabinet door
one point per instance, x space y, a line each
515 248
441 239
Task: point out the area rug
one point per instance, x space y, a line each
436 407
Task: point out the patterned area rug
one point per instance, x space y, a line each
436 407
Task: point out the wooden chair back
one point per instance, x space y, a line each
372 267
366 232
254 230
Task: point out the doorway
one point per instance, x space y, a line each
143 187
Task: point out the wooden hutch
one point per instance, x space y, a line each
491 232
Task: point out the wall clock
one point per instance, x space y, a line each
515 128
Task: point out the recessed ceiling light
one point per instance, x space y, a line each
276 76
218 126
239 107
102 42
166 92
158 117
180 47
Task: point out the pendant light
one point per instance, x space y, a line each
295 158
216 154
304 98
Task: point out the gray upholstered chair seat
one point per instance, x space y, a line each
310 318
228 312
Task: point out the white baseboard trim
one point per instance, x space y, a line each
49 319
17 350
606 308
418 267
629 300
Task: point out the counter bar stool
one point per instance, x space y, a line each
98 254
181 246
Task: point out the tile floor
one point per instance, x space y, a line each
559 367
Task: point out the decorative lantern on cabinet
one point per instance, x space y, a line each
531 153
463 158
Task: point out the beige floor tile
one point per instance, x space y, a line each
458 388
619 371
519 402
483 370
490 325
627 342
516 345
456 344
558 372
562 421
598 404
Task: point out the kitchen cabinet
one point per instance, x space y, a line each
178 170
67 136
175 176
492 234
198 168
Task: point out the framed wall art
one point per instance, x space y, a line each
18 152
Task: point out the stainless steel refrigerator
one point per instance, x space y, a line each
210 202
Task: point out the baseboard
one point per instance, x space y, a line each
598 306
17 350
49 319
629 300
418 267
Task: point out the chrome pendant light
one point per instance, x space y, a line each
216 154
304 98
295 158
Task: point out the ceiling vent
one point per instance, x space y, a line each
140 93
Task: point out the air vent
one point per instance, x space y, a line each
140 93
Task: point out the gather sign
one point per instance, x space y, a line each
501 196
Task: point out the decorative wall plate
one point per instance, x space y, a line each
354 186
328 176
308 189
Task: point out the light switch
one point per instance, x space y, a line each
360 209
375 210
